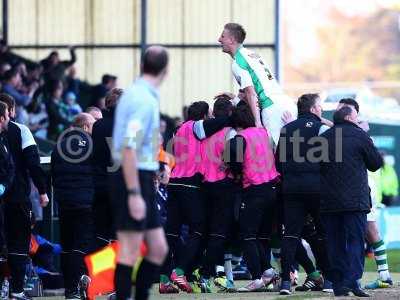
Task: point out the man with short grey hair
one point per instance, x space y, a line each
373 236
345 199
135 138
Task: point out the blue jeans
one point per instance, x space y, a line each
345 234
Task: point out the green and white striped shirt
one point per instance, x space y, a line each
249 69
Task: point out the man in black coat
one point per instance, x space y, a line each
72 177
300 170
345 199
7 173
102 166
7 169
17 204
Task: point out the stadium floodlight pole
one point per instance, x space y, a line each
5 21
277 54
143 29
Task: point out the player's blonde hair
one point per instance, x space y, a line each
237 31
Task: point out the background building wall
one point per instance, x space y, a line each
190 28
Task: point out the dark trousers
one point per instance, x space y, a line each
185 205
103 218
297 207
76 238
317 241
220 202
345 244
3 243
17 221
255 226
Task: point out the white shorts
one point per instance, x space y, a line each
271 117
371 216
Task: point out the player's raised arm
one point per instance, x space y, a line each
252 101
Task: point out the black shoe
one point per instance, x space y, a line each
341 294
311 285
358 292
240 272
72 296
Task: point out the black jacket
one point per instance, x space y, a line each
98 92
57 72
7 168
299 173
344 181
27 164
57 122
12 59
71 171
102 129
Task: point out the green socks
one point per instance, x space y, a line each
179 272
314 275
164 279
380 256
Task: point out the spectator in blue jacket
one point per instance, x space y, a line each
11 86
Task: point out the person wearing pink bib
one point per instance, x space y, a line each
218 190
252 162
185 204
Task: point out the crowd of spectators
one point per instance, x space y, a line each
49 93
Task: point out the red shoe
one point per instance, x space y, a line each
168 288
181 282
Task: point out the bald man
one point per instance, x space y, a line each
71 172
135 140
95 112
84 121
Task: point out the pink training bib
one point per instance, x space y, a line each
186 152
258 160
212 150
